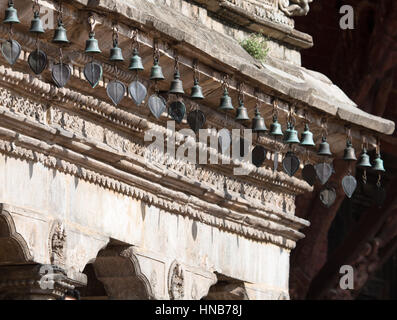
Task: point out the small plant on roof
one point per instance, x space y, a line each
256 46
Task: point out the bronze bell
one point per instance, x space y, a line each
241 113
60 35
363 161
136 61
197 93
275 128
291 135
324 149
258 123
36 25
91 45
226 102
176 84
11 15
378 164
156 73
116 55
307 137
349 153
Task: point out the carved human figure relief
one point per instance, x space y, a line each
176 282
57 244
294 7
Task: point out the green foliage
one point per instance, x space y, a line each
256 46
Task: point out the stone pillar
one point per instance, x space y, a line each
33 282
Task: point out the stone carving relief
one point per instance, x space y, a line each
58 244
22 106
294 7
176 282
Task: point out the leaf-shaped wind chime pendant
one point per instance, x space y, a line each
196 120
93 73
116 91
309 174
258 156
37 61
11 50
61 74
137 92
177 110
323 171
349 185
157 105
328 196
291 163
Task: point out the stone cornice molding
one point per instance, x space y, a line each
241 222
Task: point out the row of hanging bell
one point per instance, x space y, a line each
364 159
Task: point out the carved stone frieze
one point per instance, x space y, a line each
198 173
22 106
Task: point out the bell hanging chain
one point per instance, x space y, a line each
60 13
241 92
156 51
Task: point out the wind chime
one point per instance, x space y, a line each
379 169
308 171
196 118
136 89
10 48
92 70
61 72
276 132
177 108
349 183
291 162
156 103
241 116
258 127
116 89
364 160
225 105
37 59
324 169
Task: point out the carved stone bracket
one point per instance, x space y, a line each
294 7
33 282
